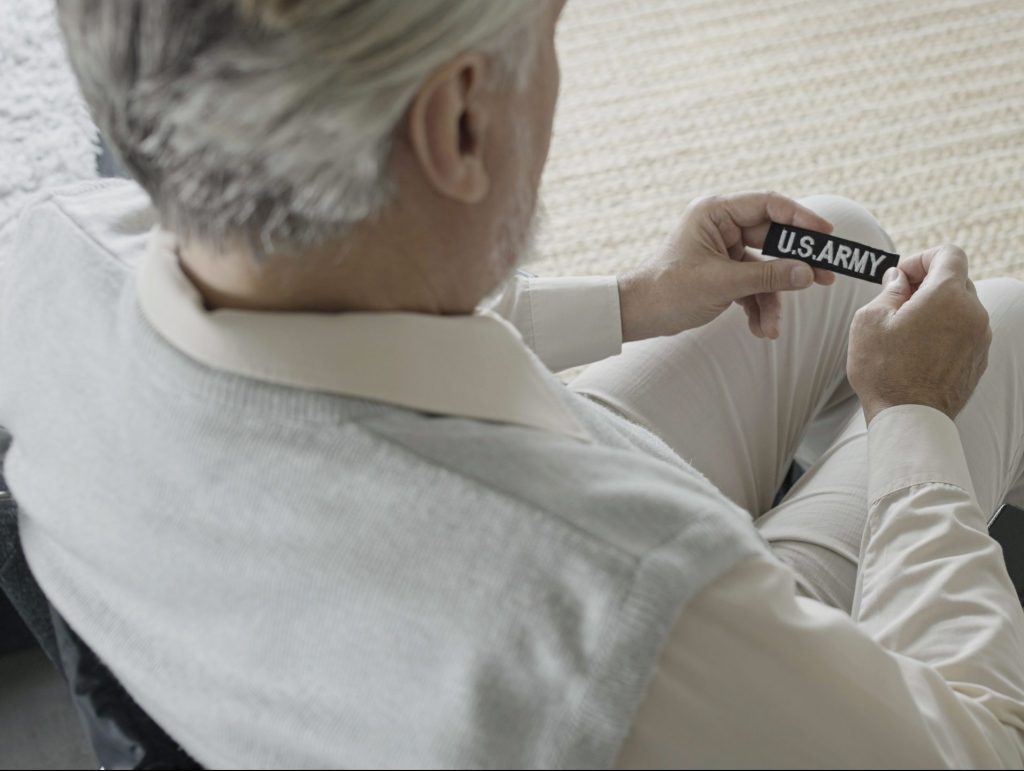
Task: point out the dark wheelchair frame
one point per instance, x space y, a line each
121 734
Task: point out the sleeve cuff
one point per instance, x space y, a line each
576 320
911 445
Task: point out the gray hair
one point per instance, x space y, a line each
271 120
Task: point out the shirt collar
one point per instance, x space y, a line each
474 366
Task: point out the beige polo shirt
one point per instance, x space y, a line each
929 671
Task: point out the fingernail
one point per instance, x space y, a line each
891 275
800 276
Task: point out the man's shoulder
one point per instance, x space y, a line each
614 497
75 241
112 216
70 261
92 201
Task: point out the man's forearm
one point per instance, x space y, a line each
932 584
567 321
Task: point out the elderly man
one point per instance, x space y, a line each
317 501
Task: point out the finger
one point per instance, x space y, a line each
940 262
896 290
914 265
750 210
824 277
753 312
749 215
771 313
765 309
757 274
821 276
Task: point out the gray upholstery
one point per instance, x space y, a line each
16 581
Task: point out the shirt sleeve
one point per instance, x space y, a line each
928 672
567 321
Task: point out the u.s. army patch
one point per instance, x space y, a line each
829 252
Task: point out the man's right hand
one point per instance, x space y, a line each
923 340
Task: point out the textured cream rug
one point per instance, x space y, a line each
914 108
46 135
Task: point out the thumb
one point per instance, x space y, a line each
767 275
895 290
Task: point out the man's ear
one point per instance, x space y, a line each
447 124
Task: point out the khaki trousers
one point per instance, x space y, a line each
740 409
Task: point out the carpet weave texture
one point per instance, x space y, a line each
46 136
914 109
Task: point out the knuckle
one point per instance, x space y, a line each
981 318
870 311
705 202
775 202
862 314
769 277
981 366
866 316
955 251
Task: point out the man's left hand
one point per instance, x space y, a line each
709 263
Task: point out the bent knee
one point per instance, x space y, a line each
1003 298
850 220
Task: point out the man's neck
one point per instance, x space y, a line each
332 278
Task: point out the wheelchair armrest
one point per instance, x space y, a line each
121 733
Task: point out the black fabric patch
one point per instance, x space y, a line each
824 251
